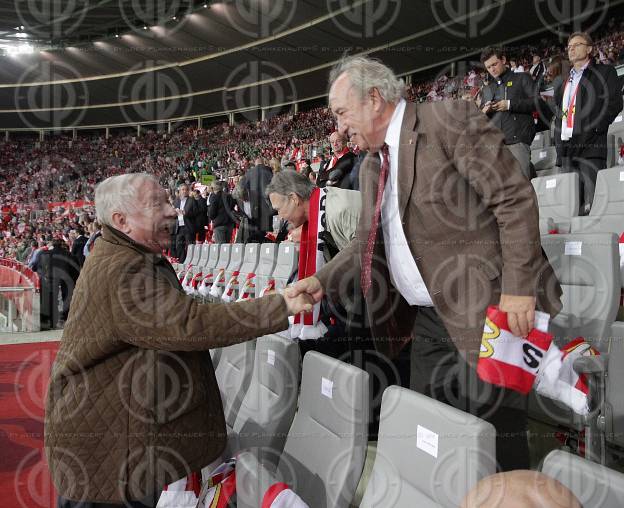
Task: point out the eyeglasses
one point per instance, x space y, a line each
574 46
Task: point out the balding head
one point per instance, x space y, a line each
337 142
520 489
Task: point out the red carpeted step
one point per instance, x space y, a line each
24 374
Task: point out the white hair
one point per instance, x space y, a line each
366 74
116 193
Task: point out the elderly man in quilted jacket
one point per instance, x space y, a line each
133 402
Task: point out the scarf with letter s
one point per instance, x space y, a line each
307 325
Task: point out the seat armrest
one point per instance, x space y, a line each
591 364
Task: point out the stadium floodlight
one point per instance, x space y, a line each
21 35
205 6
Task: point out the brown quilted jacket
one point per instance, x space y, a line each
133 401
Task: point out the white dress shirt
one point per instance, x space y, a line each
181 217
570 88
404 273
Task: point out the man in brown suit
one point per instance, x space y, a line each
448 226
133 402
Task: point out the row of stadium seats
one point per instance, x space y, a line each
558 201
317 442
263 263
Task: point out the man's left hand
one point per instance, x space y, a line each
520 313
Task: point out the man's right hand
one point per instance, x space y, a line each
298 304
310 286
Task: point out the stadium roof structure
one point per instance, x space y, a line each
102 62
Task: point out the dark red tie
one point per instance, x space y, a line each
367 261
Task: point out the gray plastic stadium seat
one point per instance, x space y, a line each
541 140
613 412
215 355
615 139
325 449
269 406
609 194
194 254
266 265
423 444
233 375
237 251
544 158
287 261
277 222
251 256
203 255
594 485
558 199
213 257
225 250
587 267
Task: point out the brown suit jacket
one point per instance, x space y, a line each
471 221
133 402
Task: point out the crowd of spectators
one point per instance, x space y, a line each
60 169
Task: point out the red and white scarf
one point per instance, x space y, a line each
509 361
269 287
230 287
559 381
307 324
206 284
248 288
217 286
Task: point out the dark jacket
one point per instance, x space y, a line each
517 123
221 209
600 101
340 173
190 213
77 249
201 219
133 402
255 183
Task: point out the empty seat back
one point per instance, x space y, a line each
587 267
269 406
422 445
325 449
609 194
557 198
266 265
233 373
541 140
287 259
236 259
544 158
213 257
190 254
224 260
592 483
203 255
615 139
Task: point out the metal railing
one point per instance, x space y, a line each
20 312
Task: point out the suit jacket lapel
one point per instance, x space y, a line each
407 150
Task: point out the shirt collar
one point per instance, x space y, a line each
574 73
393 133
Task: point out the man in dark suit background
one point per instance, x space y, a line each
186 209
77 249
427 272
337 170
201 220
255 183
221 212
587 102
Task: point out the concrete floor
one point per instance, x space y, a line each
26 337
